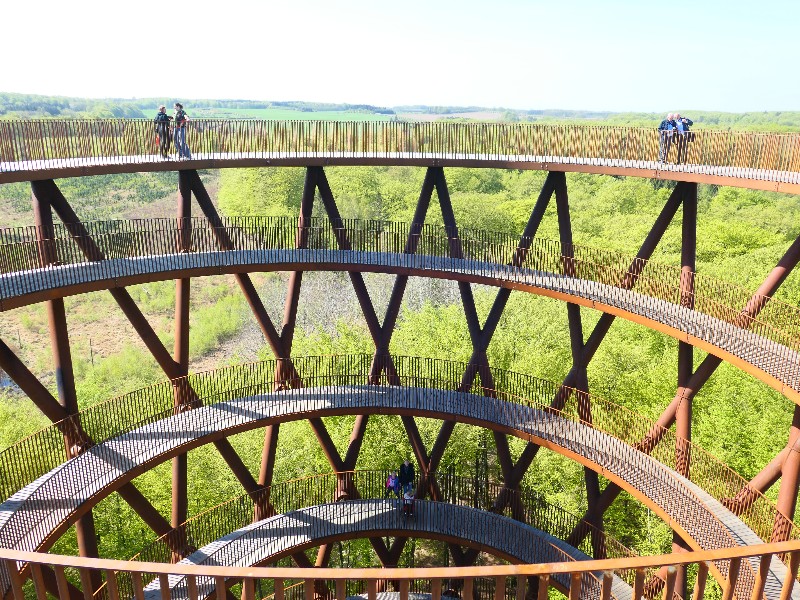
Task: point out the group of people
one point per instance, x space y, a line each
402 486
172 128
674 128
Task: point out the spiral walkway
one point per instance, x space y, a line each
72 148
270 539
775 363
32 518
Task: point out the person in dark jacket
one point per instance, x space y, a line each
162 130
406 475
665 132
683 136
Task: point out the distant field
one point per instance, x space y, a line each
283 114
470 116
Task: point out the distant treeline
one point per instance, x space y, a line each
30 106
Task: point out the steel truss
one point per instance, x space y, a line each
47 198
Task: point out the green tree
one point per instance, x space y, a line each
269 191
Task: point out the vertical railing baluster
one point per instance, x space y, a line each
163 586
38 581
575 586
191 585
436 589
791 576
466 591
729 586
404 587
248 589
761 577
278 587
638 584
111 585
500 587
63 586
138 588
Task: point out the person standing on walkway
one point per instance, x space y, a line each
406 475
181 119
665 132
162 130
684 136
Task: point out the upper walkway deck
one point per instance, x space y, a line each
35 150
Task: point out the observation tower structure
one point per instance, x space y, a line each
724 525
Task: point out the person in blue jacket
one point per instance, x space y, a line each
666 130
683 136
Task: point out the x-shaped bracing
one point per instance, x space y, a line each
575 382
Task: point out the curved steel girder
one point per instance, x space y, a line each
645 171
641 318
284 535
105 467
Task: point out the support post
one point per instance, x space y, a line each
683 415
180 501
62 359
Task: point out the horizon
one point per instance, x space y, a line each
453 108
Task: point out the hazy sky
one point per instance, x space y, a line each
574 54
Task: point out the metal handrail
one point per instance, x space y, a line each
34 456
210 525
110 569
69 143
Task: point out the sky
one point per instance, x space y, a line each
615 56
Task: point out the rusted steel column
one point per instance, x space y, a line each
180 501
62 359
592 483
43 219
268 454
790 485
683 415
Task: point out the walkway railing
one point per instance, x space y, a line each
76 143
525 505
36 455
533 579
286 534
109 246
